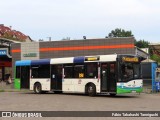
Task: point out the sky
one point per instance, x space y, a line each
60 19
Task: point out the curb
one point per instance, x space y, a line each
13 90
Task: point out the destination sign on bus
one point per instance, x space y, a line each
91 58
130 59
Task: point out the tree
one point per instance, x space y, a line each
118 32
145 44
155 57
142 44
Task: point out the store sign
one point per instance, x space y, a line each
130 59
91 58
30 55
3 52
6 64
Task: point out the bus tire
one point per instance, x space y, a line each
37 88
91 90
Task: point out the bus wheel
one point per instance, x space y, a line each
37 88
91 90
112 94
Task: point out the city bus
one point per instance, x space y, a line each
91 75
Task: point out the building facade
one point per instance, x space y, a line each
73 48
5 59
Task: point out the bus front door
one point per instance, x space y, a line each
56 77
108 80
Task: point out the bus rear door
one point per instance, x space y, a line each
56 77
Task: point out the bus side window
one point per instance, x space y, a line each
79 71
92 70
68 71
18 71
34 72
41 71
44 71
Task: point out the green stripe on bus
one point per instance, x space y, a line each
16 81
17 84
121 90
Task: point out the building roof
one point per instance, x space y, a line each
148 60
155 47
7 32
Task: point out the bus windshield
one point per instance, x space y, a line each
129 71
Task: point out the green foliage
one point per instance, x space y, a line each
142 44
118 32
155 58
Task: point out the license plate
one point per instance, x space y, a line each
133 91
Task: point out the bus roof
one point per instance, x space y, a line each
81 59
23 63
